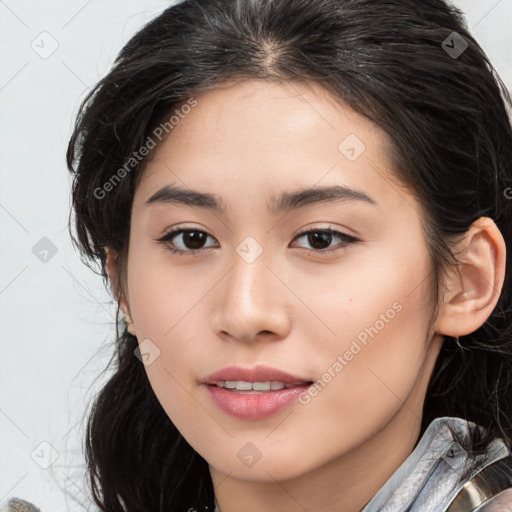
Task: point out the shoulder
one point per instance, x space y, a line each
17 505
502 502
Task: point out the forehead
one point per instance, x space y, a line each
258 137
256 111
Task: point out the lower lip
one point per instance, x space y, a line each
254 405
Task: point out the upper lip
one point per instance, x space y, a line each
260 373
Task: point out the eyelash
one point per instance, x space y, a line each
346 239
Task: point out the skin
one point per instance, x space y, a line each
290 308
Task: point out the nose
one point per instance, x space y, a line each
251 302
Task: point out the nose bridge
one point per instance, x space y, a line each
250 280
249 263
249 277
249 301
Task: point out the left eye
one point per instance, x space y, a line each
192 240
318 238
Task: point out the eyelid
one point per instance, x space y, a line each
349 239
329 228
177 230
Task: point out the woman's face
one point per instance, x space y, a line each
248 289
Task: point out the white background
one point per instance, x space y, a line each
57 321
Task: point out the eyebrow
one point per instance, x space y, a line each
287 201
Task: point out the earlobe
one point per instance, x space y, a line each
129 324
112 271
476 285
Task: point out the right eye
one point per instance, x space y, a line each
190 239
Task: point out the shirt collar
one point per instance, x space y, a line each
436 470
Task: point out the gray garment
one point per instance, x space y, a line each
437 469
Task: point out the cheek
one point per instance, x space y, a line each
364 295
376 362
162 292
163 304
378 312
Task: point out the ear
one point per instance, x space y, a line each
111 265
474 288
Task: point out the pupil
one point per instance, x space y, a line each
193 239
320 236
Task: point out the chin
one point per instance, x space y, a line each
266 469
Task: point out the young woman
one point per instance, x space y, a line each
304 210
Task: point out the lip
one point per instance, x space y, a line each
254 405
260 373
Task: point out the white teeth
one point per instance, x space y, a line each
262 386
242 385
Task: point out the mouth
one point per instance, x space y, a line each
257 378
243 400
255 393
241 386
